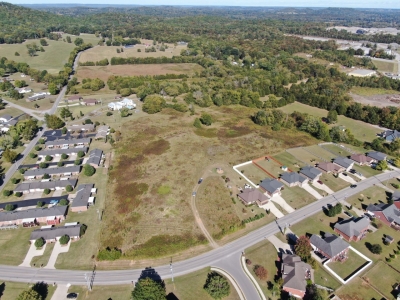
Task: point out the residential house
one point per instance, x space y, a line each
295 274
331 246
271 186
352 229
396 198
35 216
23 90
293 179
95 157
60 171
115 106
36 97
73 98
5 118
361 159
83 198
30 187
313 174
329 167
5 127
376 156
81 128
67 143
90 102
387 213
53 234
251 196
102 132
60 151
390 135
344 162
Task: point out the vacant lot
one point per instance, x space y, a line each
14 245
136 70
347 268
357 289
304 156
383 278
336 150
297 197
53 59
334 183
362 131
101 52
271 166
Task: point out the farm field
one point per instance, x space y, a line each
383 278
136 70
101 52
53 59
347 268
360 130
11 290
357 289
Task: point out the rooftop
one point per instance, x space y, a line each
95 157
252 195
292 177
343 161
271 185
352 227
50 171
26 186
295 272
331 245
377 155
310 172
83 194
68 142
55 232
33 213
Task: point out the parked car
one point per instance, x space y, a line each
352 171
54 201
320 182
200 180
194 194
344 174
72 296
353 186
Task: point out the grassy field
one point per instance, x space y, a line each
336 150
366 171
335 184
348 267
357 289
362 131
322 277
367 91
383 278
290 161
114 292
320 152
14 245
136 70
53 59
386 65
98 53
11 290
304 156
254 173
316 224
264 254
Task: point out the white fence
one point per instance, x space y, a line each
242 175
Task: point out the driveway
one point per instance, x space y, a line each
347 178
56 250
278 199
272 208
32 252
57 193
33 195
323 187
61 292
313 192
280 246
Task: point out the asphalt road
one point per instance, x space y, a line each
226 257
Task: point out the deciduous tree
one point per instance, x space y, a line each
149 289
217 286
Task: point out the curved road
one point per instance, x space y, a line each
226 257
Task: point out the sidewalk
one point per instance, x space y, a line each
61 292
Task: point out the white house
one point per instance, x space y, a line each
115 106
121 104
23 90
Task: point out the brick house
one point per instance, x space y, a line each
352 229
331 246
35 216
295 274
387 213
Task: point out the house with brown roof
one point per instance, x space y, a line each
90 102
331 246
352 229
329 167
387 213
73 98
251 196
295 274
361 159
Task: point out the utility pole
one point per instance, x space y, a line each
172 271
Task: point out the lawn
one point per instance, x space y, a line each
320 152
297 197
336 150
289 160
357 289
322 277
11 290
315 224
371 195
254 173
14 245
383 278
270 166
304 156
114 292
386 66
43 259
335 184
53 59
264 254
362 131
345 269
366 170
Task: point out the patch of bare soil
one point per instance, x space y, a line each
377 100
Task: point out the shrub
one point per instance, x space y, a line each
64 156
7 193
63 202
60 164
64 130
388 259
38 148
81 154
69 188
248 261
48 158
112 130
260 272
41 141
88 170
18 194
43 165
88 121
39 243
46 176
9 207
22 171
16 54
109 113
395 185
206 119
39 204
64 239
32 155
14 180
109 254
46 191
77 162
376 249
217 286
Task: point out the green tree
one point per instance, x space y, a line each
63 202
197 123
39 243
77 162
46 191
69 188
48 158
43 42
53 89
376 249
64 239
43 165
206 119
14 180
81 153
64 156
29 295
382 165
9 207
53 122
217 286
332 116
69 39
88 170
149 289
303 248
46 176
65 113
124 112
60 164
97 84
153 104
39 204
78 41
9 155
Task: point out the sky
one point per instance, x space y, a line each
289 3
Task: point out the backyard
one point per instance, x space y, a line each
383 278
346 268
357 289
254 173
271 166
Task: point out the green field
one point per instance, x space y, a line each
304 156
383 278
360 130
390 66
11 290
14 245
289 160
367 91
335 184
347 268
371 195
322 277
320 152
297 197
53 59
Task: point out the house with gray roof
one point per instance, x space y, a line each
81 128
329 167
95 157
293 179
344 162
60 151
390 135
5 118
252 196
30 187
352 229
295 274
101 132
67 143
35 216
331 246
271 186
377 156
53 234
60 171
313 174
83 198
387 213
361 159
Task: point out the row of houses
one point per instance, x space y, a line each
53 234
34 217
59 171
79 98
67 143
40 186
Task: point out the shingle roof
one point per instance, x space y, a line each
292 177
271 185
396 195
51 171
6 116
310 172
352 227
390 135
95 157
26 186
344 162
61 151
33 213
377 155
329 167
69 142
82 196
331 245
390 211
101 132
294 272
85 127
252 195
55 232
361 158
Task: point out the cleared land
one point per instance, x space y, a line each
362 131
320 152
367 91
136 70
297 197
347 268
53 59
11 290
383 278
336 150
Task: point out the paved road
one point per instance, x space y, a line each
225 257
